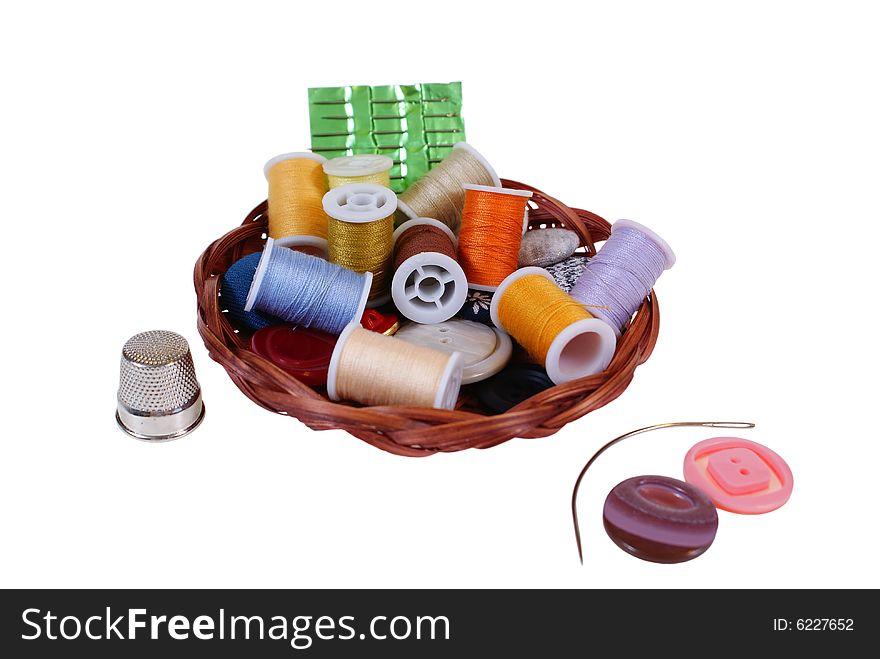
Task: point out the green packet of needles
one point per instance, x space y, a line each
416 125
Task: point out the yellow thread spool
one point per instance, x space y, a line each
296 189
552 326
359 233
361 168
375 369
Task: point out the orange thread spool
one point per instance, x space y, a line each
492 225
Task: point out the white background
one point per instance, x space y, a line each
132 137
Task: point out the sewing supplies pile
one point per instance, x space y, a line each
393 284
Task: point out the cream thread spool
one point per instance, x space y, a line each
439 193
296 189
360 168
359 233
582 348
412 375
430 286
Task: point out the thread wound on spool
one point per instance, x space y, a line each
429 285
375 369
296 188
492 224
551 326
359 232
234 294
360 168
439 193
307 290
621 275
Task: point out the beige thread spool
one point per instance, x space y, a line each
439 193
375 369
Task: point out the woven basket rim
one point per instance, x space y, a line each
413 431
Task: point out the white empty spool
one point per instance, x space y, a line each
485 350
360 203
428 287
583 348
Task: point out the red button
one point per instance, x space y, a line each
738 475
304 353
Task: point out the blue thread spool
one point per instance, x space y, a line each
307 291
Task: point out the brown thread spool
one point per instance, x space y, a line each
429 285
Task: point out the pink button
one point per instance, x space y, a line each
738 475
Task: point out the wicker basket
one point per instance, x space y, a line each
415 431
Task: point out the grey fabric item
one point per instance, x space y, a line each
566 273
543 247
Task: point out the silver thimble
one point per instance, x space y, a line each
159 397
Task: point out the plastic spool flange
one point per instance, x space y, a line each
583 348
657 240
429 287
464 146
296 155
359 203
447 391
261 272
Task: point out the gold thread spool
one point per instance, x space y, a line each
375 369
360 168
492 224
552 326
439 193
296 189
359 233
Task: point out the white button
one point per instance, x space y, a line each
486 350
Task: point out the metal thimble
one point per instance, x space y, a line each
159 396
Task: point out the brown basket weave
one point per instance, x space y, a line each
415 431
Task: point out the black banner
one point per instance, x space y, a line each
436 623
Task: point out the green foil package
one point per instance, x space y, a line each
416 125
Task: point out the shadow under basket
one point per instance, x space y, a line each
415 431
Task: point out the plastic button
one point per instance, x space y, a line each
660 519
304 353
738 475
485 350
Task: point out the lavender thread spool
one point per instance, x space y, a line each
621 275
